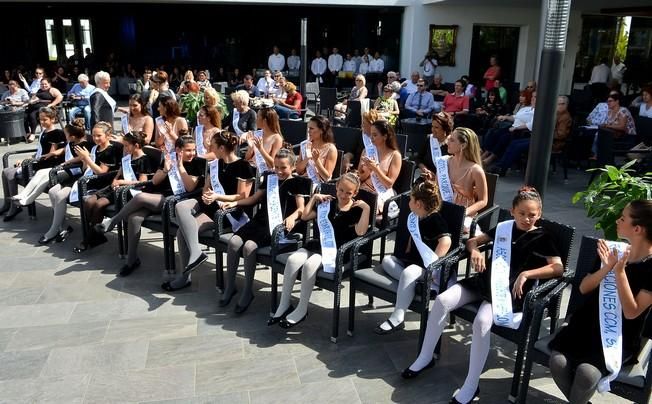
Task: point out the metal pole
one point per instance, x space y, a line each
304 55
552 57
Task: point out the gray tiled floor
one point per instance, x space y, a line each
70 331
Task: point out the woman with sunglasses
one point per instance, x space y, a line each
387 106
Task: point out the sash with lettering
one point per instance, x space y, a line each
199 140
69 156
443 180
383 192
326 237
501 296
124 121
234 122
261 165
214 169
175 177
435 148
74 192
427 255
128 173
310 167
274 212
611 322
107 97
39 149
164 131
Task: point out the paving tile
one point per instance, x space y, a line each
35 314
210 348
22 365
229 398
42 278
5 337
142 385
233 376
33 263
7 279
75 293
19 296
56 336
114 309
65 389
331 391
84 359
152 328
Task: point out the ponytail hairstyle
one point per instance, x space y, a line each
226 139
324 125
386 129
135 138
641 213
352 177
527 193
76 128
286 154
213 115
427 192
270 117
48 112
183 140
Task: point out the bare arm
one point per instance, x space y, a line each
480 183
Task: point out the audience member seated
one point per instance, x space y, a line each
202 81
170 125
645 110
290 106
502 91
249 87
15 96
142 84
492 108
435 146
456 103
139 119
420 104
318 153
437 88
35 85
47 96
60 79
387 106
266 146
358 92
211 121
265 83
159 88
243 118
470 89
188 77
80 95
411 85
277 91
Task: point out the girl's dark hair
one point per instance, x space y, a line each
641 213
46 78
227 139
171 107
270 117
286 154
496 94
135 138
445 120
387 130
325 127
182 141
527 193
143 104
76 128
213 115
428 193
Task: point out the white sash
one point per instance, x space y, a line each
199 140
310 168
128 173
74 192
69 156
427 255
175 177
124 121
234 122
384 193
326 237
368 145
274 212
611 322
261 165
163 131
107 97
501 296
444 182
218 189
435 148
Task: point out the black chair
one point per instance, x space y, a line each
373 281
333 281
563 235
401 140
28 170
347 139
353 114
294 132
417 135
328 99
634 382
402 185
487 218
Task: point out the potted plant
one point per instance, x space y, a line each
610 192
190 104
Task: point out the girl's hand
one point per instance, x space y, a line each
289 223
209 197
517 290
620 264
319 198
314 154
370 163
609 258
82 152
167 163
46 156
18 163
179 161
360 203
255 142
115 184
477 260
229 205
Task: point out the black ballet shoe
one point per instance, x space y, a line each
476 397
44 240
80 248
167 286
195 264
380 331
274 320
63 235
241 309
285 324
225 301
11 215
411 374
127 269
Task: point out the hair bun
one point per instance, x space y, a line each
527 188
79 122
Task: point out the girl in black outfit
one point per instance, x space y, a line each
194 216
577 362
50 153
442 126
533 256
256 232
493 106
349 218
191 172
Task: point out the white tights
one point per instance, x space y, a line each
35 187
407 281
454 297
309 263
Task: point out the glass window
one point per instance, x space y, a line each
49 37
86 35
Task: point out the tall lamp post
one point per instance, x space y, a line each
552 56
304 55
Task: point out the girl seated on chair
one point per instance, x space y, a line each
523 253
578 363
349 219
408 266
318 155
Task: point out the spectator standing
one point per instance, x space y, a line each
349 65
492 73
294 61
618 69
429 65
101 103
335 63
276 60
318 67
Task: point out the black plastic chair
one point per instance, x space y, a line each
347 139
353 114
294 132
402 185
328 99
27 172
374 282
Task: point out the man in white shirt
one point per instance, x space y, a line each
294 61
411 85
429 65
318 67
618 70
265 83
600 73
35 86
276 61
278 89
357 59
349 65
335 63
377 65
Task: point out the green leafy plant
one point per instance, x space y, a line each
610 192
190 104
